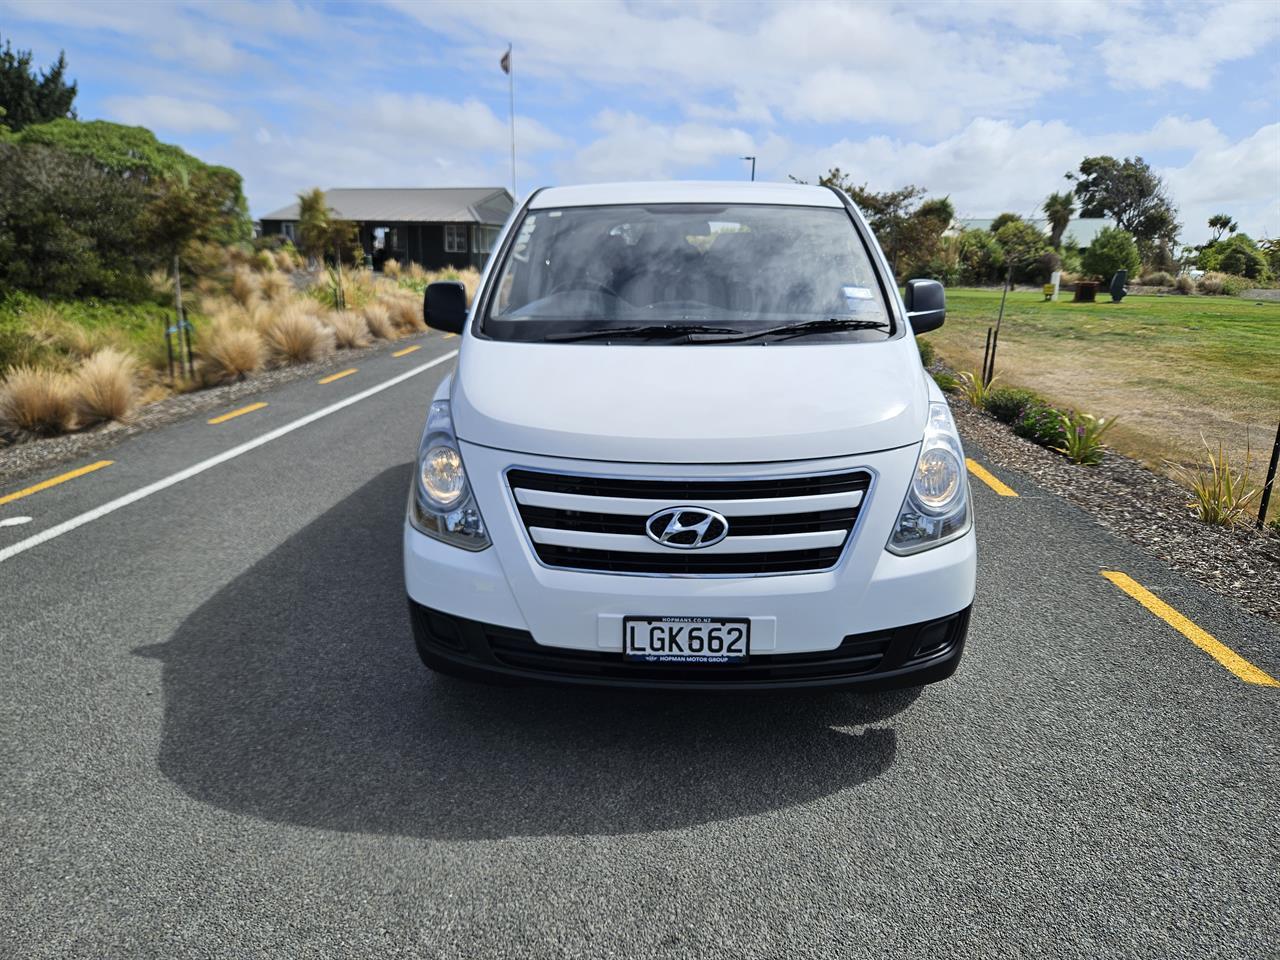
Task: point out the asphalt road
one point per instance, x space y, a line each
217 741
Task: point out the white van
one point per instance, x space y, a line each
689 444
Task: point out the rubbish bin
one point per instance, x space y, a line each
1086 292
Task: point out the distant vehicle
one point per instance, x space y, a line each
690 444
1193 272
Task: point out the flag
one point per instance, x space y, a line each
505 62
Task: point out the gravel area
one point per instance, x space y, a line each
19 460
1146 508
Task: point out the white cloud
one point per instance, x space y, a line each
1193 42
996 165
170 114
824 62
633 147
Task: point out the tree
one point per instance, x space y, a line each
908 228
1002 220
1221 223
27 97
1112 249
1130 193
135 153
1059 208
1237 254
1024 246
69 229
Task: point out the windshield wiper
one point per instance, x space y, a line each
788 330
649 331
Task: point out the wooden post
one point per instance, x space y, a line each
1270 481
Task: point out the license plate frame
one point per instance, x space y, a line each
677 633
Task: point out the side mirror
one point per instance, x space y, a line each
444 306
926 303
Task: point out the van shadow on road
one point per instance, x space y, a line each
295 695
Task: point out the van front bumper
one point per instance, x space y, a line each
910 655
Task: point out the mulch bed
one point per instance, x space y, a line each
1146 508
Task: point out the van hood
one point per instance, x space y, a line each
690 404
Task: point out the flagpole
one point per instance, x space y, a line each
511 86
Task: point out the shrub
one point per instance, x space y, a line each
981 259
1238 255
1157 279
391 268
975 391
1221 284
1185 285
1220 495
927 352
294 336
229 352
1082 437
1007 404
946 382
1040 423
378 319
1112 249
36 400
105 387
349 330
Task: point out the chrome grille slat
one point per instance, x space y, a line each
786 524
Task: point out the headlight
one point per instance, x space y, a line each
444 480
936 508
441 505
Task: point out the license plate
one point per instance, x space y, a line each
686 639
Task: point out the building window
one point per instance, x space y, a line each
485 236
455 238
288 230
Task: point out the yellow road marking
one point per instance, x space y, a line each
407 350
989 478
237 413
1215 648
338 376
54 481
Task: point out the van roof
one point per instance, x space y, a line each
686 191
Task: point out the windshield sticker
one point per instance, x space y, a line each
856 298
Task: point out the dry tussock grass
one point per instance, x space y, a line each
229 351
406 312
275 286
349 330
415 271
105 387
244 286
391 268
378 320
295 336
37 401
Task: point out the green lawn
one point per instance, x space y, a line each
1172 368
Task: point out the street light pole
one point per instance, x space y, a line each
753 166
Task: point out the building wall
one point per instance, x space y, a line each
421 243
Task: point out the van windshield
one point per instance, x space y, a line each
679 273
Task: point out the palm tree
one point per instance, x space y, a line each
1059 208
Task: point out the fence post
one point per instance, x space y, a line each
1270 481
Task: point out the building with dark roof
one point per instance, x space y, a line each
434 226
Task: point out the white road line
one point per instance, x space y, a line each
110 507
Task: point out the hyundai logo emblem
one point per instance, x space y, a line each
686 528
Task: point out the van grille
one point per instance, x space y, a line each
779 525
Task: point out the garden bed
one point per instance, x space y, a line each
1145 508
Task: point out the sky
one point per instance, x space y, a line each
990 102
